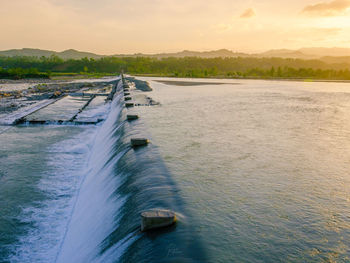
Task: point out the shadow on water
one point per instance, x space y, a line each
88 210
145 184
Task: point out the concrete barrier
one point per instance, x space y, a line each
156 219
131 117
136 142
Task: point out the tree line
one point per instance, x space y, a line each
21 73
237 67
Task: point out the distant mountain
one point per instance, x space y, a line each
324 52
330 55
188 53
306 53
74 54
286 53
30 52
27 52
205 54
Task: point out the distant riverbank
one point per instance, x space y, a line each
187 67
69 77
20 75
16 94
56 78
245 78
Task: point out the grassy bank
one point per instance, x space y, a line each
21 73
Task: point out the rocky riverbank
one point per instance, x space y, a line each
27 93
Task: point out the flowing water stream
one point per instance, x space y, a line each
257 171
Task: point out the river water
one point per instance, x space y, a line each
258 171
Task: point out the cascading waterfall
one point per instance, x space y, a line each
96 206
92 188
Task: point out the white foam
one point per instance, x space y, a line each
96 206
114 253
60 184
93 218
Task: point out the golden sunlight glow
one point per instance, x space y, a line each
110 27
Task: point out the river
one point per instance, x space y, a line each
257 171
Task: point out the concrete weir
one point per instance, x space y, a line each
114 90
21 117
131 117
60 122
85 105
137 142
157 218
85 94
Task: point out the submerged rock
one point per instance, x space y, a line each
135 142
156 219
56 94
131 117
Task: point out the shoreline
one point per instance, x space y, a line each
29 94
68 78
55 79
246 78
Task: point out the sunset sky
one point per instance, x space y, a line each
152 26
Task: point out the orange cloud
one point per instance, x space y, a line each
248 13
333 8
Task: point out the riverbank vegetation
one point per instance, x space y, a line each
238 67
22 73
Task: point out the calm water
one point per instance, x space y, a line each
263 166
257 172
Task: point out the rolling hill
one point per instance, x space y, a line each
333 55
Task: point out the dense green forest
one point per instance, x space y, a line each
21 73
238 67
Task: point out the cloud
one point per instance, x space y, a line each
333 8
248 13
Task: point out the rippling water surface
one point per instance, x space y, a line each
258 171
263 166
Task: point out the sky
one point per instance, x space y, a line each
155 26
